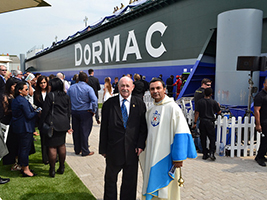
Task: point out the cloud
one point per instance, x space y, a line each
21 30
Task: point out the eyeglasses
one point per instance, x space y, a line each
207 84
4 70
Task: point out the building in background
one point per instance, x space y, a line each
12 62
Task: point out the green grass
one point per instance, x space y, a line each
42 186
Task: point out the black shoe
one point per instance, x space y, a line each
52 172
4 180
212 157
260 162
205 156
61 170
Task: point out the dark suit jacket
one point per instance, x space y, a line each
2 86
94 83
61 116
117 142
169 83
23 115
139 89
2 89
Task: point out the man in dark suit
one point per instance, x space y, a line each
122 138
169 83
2 79
3 71
3 148
94 83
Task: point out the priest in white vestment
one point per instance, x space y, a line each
169 142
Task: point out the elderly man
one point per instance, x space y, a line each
3 147
18 75
83 108
2 78
62 78
122 138
169 142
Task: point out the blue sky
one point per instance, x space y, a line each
23 29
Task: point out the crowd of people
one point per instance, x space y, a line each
158 137
26 102
31 102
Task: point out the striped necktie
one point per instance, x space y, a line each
124 113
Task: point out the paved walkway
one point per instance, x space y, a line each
226 178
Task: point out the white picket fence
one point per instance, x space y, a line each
241 134
243 142
187 107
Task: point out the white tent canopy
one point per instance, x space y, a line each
4 59
11 5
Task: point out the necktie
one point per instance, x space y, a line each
124 113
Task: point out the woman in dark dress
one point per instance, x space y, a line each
12 139
41 90
61 124
23 121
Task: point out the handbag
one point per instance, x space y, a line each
4 130
48 129
3 147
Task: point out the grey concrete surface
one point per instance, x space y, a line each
226 178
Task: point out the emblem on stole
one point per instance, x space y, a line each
155 118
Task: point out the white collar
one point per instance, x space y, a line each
128 99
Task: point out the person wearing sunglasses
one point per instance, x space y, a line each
3 71
23 118
199 94
3 150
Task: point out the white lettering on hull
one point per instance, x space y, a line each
113 49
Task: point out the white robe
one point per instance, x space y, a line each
169 139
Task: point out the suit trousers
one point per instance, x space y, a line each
82 122
170 93
25 143
263 144
207 129
129 181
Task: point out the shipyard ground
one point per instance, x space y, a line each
226 178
